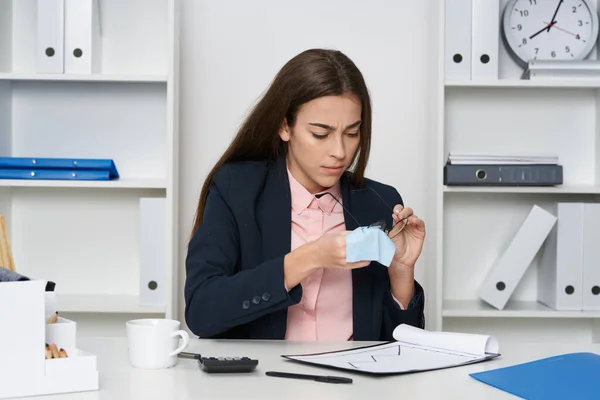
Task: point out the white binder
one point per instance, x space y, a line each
153 250
50 37
560 272
591 257
458 39
509 268
485 39
83 44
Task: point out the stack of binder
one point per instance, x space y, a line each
502 170
57 168
472 39
69 37
562 69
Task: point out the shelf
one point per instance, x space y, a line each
103 303
523 83
83 77
116 184
513 309
565 189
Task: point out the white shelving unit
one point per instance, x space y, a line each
84 235
473 225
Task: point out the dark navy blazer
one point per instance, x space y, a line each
235 286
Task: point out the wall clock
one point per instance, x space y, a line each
549 29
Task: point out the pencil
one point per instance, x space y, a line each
53 318
6 258
48 352
54 350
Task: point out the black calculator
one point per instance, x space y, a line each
227 364
222 364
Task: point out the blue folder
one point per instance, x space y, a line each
57 168
567 376
55 174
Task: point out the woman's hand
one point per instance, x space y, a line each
329 251
409 242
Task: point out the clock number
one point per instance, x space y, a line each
577 36
524 13
532 2
519 27
567 49
553 54
580 23
524 41
574 9
537 50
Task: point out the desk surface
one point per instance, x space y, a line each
185 381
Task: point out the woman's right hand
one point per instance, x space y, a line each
330 250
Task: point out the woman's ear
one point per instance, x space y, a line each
284 131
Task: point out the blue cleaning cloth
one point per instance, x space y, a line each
369 243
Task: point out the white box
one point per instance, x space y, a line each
22 316
24 369
509 268
560 273
63 333
485 41
83 37
591 257
50 37
458 39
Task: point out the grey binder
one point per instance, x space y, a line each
503 175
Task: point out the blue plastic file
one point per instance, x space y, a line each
55 174
57 168
567 376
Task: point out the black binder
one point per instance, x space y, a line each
503 175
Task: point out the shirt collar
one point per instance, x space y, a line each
302 198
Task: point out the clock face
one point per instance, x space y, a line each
550 29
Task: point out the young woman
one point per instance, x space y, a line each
267 255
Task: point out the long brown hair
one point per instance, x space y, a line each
309 75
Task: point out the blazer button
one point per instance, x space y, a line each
256 300
266 296
246 304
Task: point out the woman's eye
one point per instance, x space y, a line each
353 134
320 136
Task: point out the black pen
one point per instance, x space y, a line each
318 378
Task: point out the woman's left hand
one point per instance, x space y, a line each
409 242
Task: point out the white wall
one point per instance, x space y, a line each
230 51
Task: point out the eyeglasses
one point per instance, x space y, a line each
381 224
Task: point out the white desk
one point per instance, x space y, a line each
119 381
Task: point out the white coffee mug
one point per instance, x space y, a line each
154 343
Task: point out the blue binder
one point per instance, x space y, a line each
567 376
57 168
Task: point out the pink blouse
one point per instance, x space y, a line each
325 310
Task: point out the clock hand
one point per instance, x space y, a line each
541 30
564 30
553 20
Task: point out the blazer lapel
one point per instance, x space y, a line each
274 219
362 296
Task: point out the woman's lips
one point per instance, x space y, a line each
333 170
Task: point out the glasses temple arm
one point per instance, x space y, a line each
318 196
